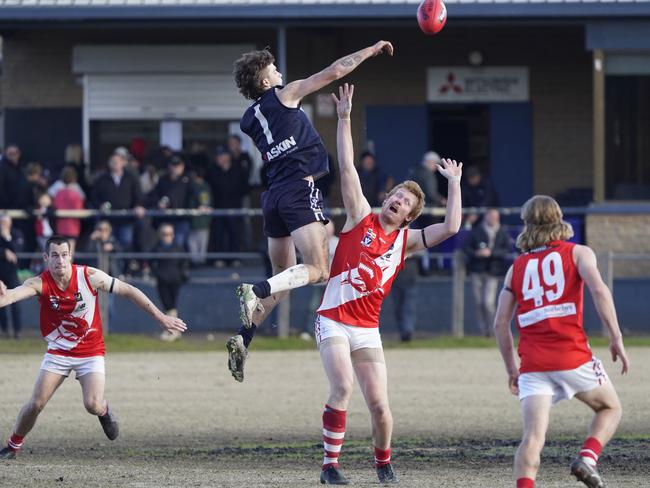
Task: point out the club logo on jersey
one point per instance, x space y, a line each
54 302
77 296
368 238
367 277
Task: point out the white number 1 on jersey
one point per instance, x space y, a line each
264 123
552 274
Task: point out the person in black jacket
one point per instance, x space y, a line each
11 242
229 184
118 189
175 190
170 274
487 248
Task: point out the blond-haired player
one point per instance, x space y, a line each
543 290
370 252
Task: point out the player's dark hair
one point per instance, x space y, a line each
58 240
248 72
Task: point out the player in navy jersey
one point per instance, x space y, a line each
294 156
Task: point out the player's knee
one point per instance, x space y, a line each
94 405
36 405
342 392
380 410
533 442
318 274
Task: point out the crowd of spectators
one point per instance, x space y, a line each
132 180
135 180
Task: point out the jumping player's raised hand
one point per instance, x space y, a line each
382 47
172 324
450 169
617 349
344 101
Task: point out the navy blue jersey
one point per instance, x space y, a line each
290 146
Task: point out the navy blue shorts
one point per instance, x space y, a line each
292 205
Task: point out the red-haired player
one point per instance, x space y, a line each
72 326
544 290
370 252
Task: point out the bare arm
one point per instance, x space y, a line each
503 317
436 233
356 205
30 288
295 91
585 261
102 281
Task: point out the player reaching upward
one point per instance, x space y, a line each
543 289
72 326
370 252
294 157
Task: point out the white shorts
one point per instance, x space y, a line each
357 337
62 365
563 385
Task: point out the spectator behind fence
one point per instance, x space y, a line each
425 174
102 240
74 158
149 178
44 223
478 191
15 189
11 242
16 193
118 189
36 180
197 242
404 295
487 248
243 160
174 190
170 274
229 184
374 183
69 198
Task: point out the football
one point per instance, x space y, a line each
432 16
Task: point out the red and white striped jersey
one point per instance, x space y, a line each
549 293
365 264
70 319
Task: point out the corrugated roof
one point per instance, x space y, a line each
153 10
154 3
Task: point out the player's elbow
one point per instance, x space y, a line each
451 228
335 72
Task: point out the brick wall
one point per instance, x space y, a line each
621 233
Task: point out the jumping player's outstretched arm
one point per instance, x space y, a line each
102 281
585 261
356 205
30 288
431 235
293 92
502 318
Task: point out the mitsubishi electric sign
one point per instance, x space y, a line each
480 84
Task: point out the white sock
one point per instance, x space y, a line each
293 277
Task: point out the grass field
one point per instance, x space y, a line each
186 423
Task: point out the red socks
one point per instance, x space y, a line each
15 442
333 434
525 483
591 451
382 457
